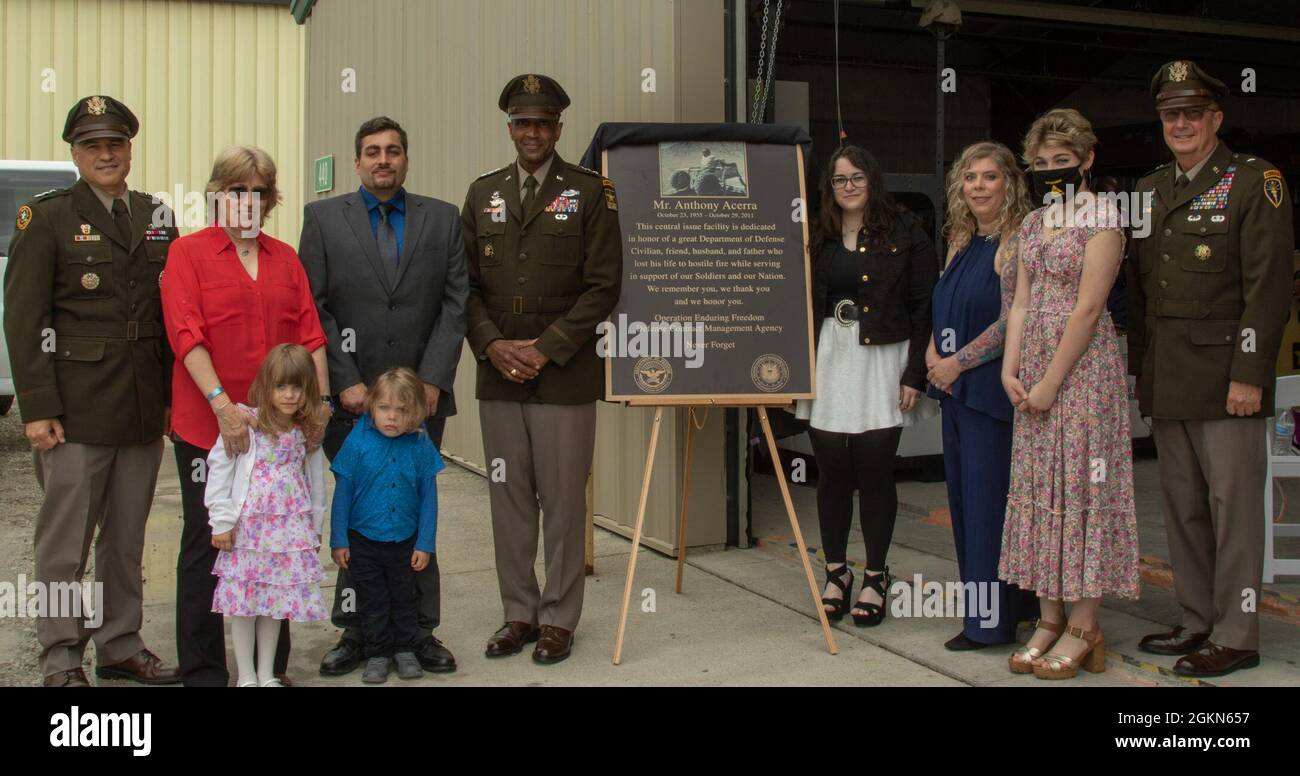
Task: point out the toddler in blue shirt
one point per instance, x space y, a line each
384 519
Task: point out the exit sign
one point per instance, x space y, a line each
324 174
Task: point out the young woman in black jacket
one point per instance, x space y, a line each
872 275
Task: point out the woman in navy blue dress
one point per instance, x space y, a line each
987 200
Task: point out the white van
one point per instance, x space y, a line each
19 182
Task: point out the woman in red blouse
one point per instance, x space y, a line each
230 293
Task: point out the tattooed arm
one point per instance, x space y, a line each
988 345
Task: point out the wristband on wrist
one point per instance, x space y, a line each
214 393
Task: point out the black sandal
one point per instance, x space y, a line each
841 604
875 613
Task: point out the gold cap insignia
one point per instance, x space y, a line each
96 106
24 217
1178 71
1203 252
90 281
85 228
532 84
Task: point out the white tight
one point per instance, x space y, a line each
265 631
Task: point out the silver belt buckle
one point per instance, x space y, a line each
839 312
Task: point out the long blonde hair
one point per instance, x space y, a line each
961 225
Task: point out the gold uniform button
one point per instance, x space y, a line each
866 309
1168 232
865 278
1202 230
1164 284
1165 257
862 250
866 340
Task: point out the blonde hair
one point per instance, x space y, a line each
292 365
1060 126
960 224
237 164
407 389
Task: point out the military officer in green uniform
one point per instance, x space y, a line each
1211 290
545 260
83 320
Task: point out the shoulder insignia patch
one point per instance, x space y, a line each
1273 187
24 217
611 199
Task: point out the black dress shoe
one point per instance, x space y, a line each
1214 660
1176 642
434 657
343 659
553 645
960 643
510 639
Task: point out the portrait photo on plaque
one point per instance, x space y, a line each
703 169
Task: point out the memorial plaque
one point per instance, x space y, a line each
715 296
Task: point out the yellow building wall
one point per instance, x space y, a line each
199 75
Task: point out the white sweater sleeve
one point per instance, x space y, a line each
316 483
218 497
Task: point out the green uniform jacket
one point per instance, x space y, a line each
1210 287
83 317
552 274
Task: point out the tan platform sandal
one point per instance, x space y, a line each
1061 667
1021 661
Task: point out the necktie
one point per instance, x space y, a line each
530 193
123 221
1180 184
387 238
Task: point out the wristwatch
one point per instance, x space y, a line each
329 402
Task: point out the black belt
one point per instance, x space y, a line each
127 330
520 305
1194 308
845 312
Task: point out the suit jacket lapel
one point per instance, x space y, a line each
90 208
549 188
510 192
415 218
141 219
354 211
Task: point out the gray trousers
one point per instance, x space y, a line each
87 487
539 455
1212 479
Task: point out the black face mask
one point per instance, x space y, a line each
1053 182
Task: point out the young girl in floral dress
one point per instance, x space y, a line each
266 508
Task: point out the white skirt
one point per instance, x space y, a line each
857 385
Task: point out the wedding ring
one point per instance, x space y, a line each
513 371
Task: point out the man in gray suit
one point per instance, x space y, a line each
387 268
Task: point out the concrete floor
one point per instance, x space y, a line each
746 616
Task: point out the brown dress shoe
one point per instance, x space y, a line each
1214 660
144 667
1176 642
510 639
553 645
71 678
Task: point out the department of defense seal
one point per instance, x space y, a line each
652 375
770 373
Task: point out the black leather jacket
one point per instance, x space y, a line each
894 289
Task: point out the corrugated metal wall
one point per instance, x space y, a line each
200 76
438 68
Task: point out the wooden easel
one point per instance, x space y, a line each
681 533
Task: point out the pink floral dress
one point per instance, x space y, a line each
273 570
1070 529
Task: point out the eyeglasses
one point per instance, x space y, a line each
239 188
859 181
1193 115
